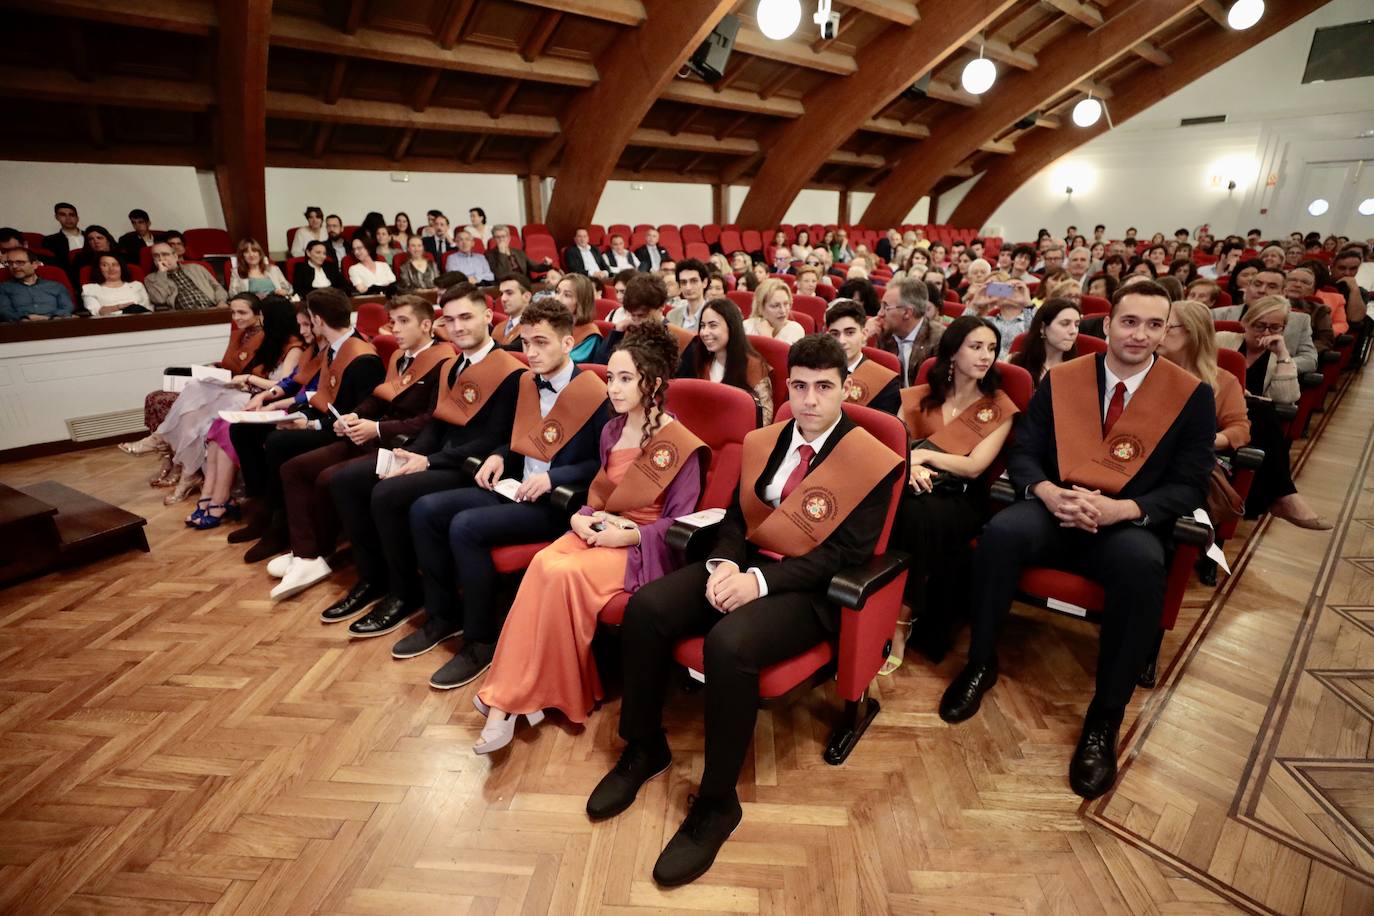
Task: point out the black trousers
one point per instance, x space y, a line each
1274 478
453 534
935 528
249 440
738 645
376 515
1127 559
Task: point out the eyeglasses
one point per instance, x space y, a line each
1269 328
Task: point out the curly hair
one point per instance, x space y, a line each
653 349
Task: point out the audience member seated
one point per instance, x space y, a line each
722 353
350 372
754 610
645 296
401 231
317 271
473 417
132 243
1271 375
582 258
618 257
772 313
651 255
334 237
370 277
516 295
25 296
1345 268
1191 344
312 231
808 278
98 241
1051 339
112 291
1102 286
256 273
505 259
1112 451
1205 291
385 247
181 287
391 415
867 383
1301 286
438 241
1264 283
418 273
691 283
577 293
468 260
1067 288
908 326
560 413
1014 312
958 421
68 239
801 248
221 460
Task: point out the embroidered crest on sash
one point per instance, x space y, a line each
663 455
551 432
818 503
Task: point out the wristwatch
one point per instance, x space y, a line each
1287 359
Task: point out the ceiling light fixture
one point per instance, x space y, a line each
778 19
1087 112
1318 206
979 74
1366 207
1244 13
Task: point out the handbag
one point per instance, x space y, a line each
1224 504
941 481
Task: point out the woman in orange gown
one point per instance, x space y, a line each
651 473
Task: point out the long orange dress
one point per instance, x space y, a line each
544 659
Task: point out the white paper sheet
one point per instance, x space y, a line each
254 416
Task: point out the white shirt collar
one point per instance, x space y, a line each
481 354
854 365
338 344
560 378
911 338
817 443
429 344
1132 383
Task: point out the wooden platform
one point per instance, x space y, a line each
50 525
172 742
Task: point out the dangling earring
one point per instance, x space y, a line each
951 373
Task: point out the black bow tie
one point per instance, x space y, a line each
404 363
544 384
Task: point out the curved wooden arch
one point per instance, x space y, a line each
1070 60
1192 59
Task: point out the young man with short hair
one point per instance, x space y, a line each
758 600
141 236
67 240
691 284
867 383
1111 451
516 294
554 442
473 414
645 296
438 242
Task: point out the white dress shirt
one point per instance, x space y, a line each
617 261
772 493
95 296
379 275
904 345
691 319
717 371
559 380
589 262
304 236
1132 384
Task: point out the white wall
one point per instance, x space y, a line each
1150 173
655 202
351 194
104 194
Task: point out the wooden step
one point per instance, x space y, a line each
50 525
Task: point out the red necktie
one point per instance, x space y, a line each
1115 408
799 472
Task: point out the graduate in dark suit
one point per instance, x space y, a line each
350 371
473 413
395 411
868 384
1112 450
755 610
554 442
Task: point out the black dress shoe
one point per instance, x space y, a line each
257 522
275 541
1093 768
465 667
354 603
1148 675
640 762
426 638
389 614
965 693
692 850
1206 569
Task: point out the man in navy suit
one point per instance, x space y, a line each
651 254
582 257
439 244
1111 451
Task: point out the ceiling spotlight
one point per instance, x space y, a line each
1366 207
1244 13
1069 190
979 75
1318 206
778 19
1087 112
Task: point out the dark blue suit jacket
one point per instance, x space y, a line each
577 462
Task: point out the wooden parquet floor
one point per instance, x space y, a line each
172 742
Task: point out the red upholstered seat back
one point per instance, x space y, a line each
813 306
1095 305
884 358
774 353
744 299
721 416
371 316
386 345
604 307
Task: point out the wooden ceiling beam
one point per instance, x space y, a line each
859 160
353 19
690 92
474 149
1216 12
894 128
95 126
423 93
686 122
186 17
128 91
1076 57
1149 51
736 170
998 50
324 132
381 162
504 98
333 88
241 116
534 43
633 73
1037 149
836 108
734 69
544 154
792 51
468 57
455 19
694 143
942 91
295 107
401 145
732 126
620 12
1085 13
1002 147
902 12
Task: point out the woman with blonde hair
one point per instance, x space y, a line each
255 273
578 295
1271 377
1190 342
772 314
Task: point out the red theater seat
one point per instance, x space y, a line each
744 299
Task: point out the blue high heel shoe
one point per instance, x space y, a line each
208 521
199 513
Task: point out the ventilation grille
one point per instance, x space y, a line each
1209 119
102 425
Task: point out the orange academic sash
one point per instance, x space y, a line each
460 402
499 334
395 382
312 358
542 437
866 381
332 373
682 335
963 435
655 468
243 346
1087 458
582 331
826 496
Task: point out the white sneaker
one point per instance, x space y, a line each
302 574
277 566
